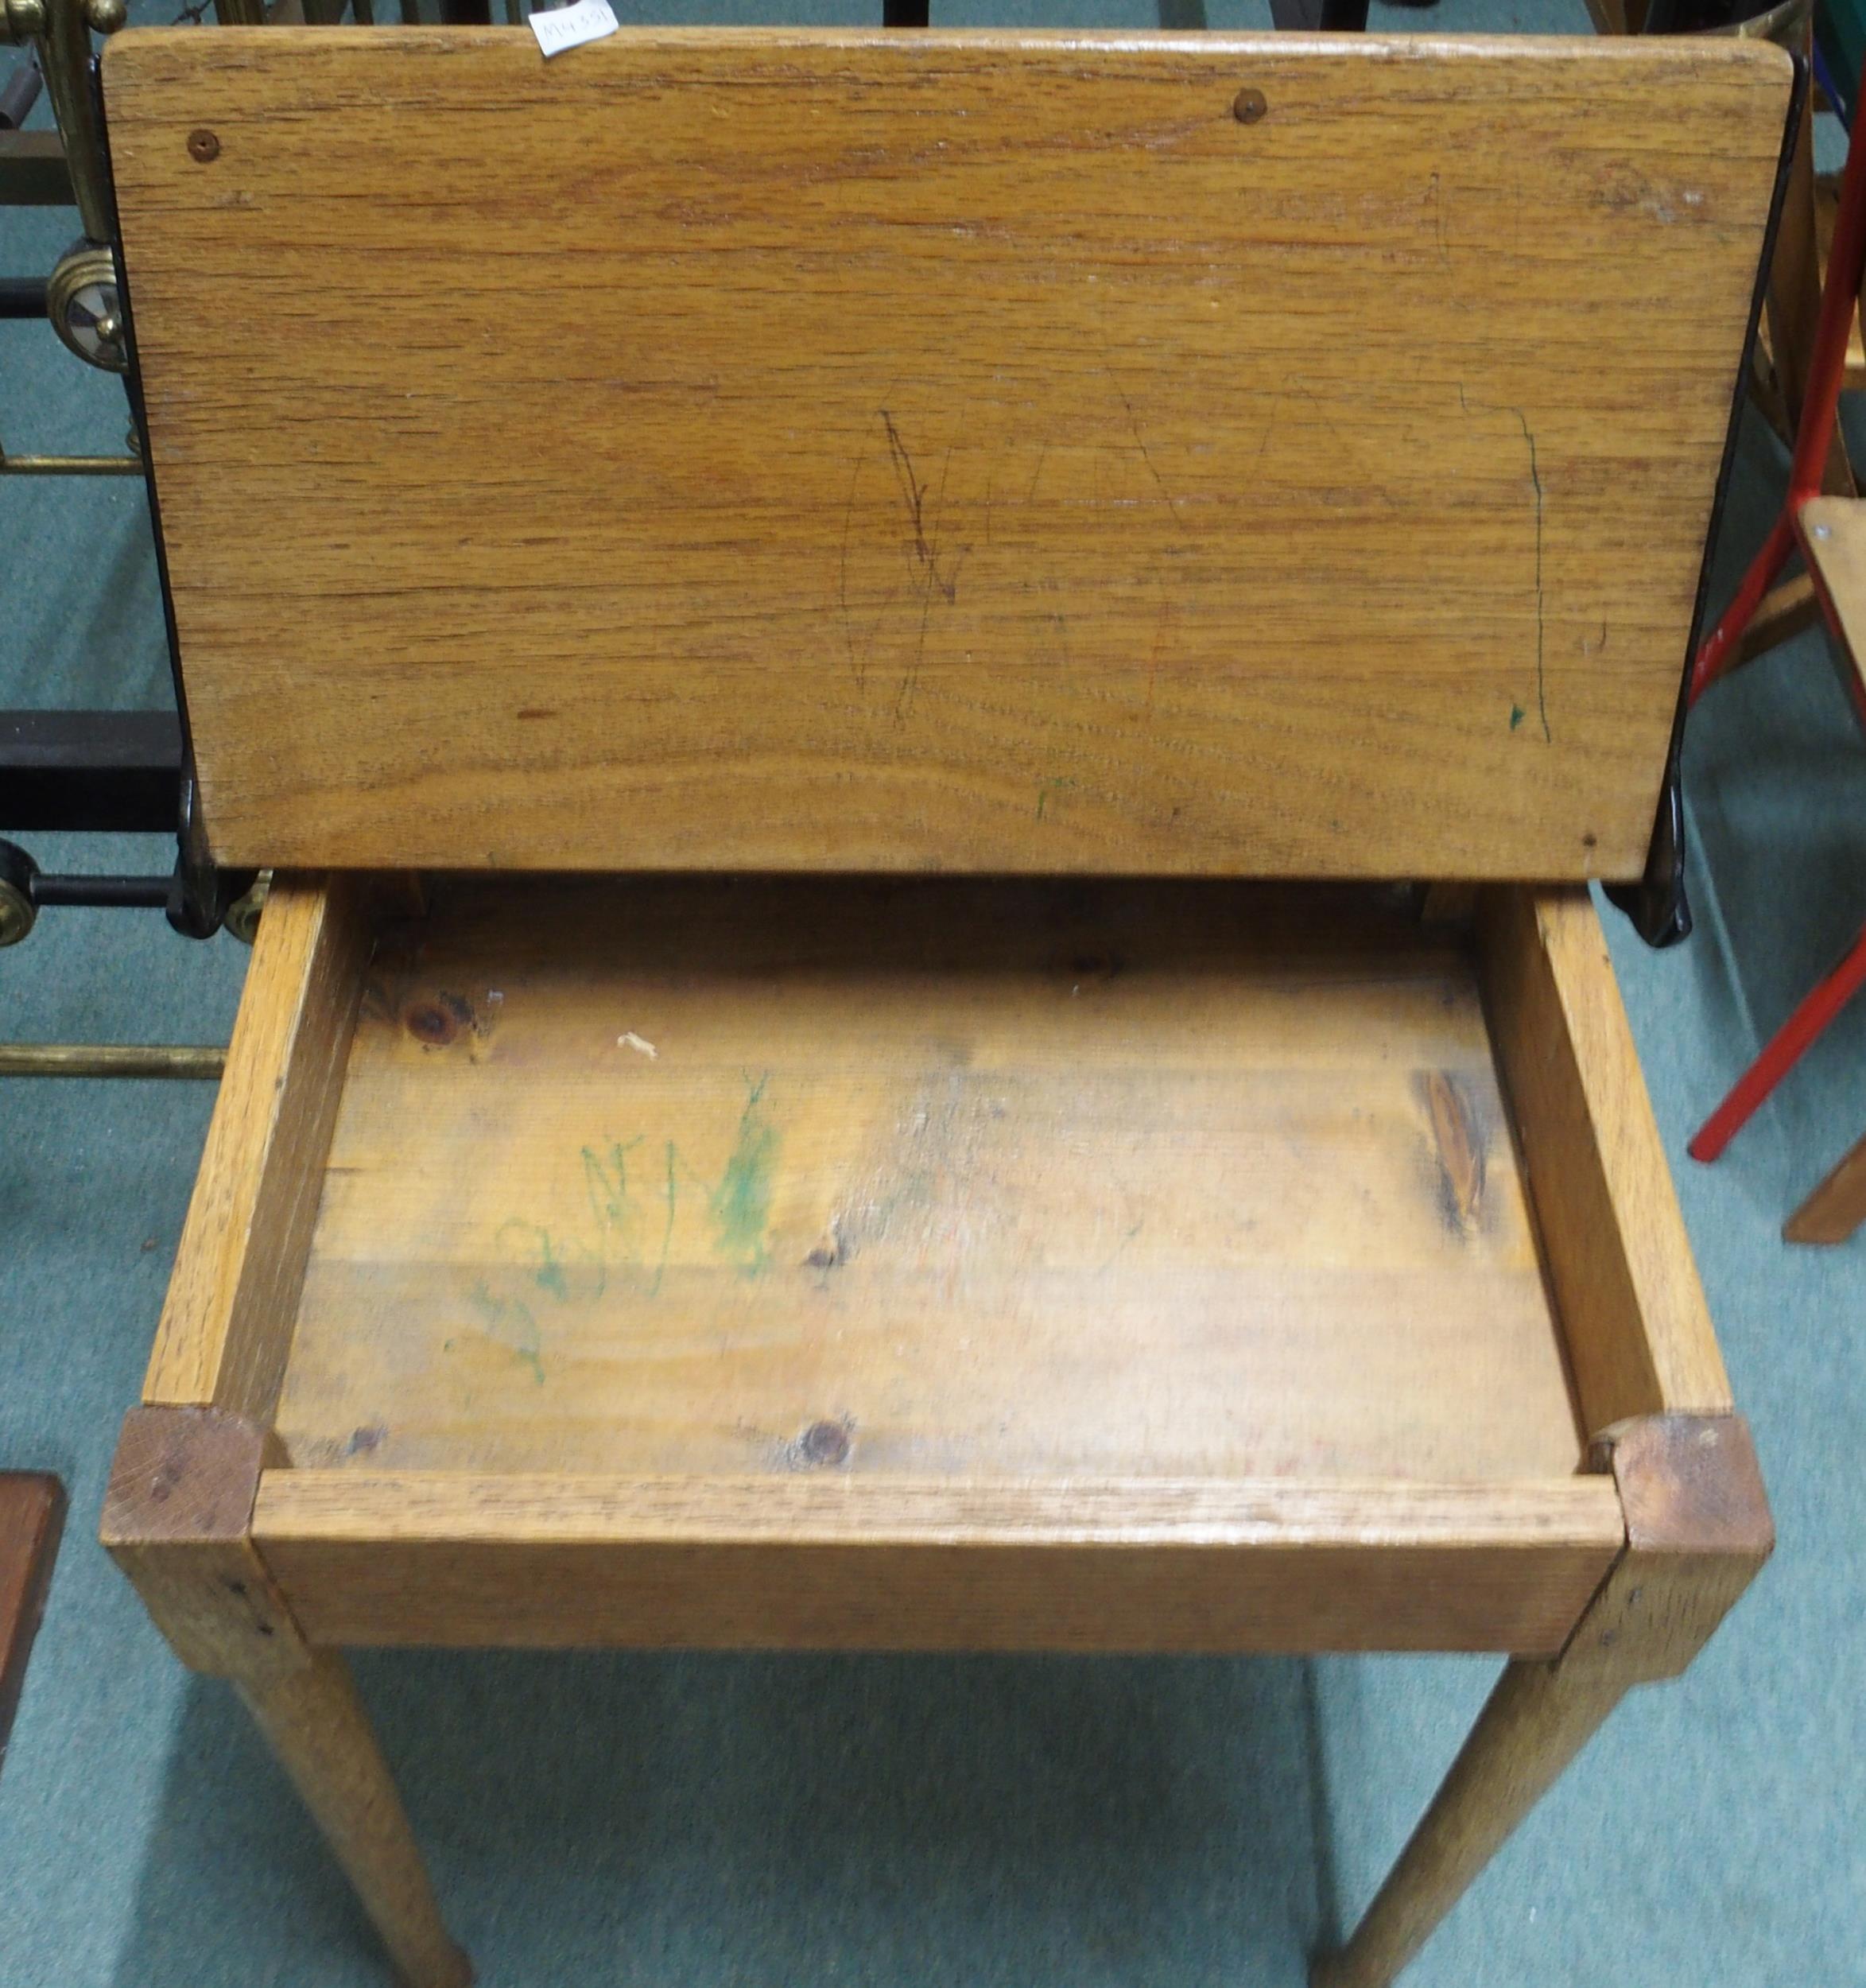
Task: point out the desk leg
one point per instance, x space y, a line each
1532 1725
177 1519
315 1724
1698 1528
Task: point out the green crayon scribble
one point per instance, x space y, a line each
551 1270
606 1180
742 1204
667 1234
1045 788
511 1322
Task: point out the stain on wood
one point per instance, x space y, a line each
825 1445
1459 1143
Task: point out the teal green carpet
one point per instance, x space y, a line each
697 1821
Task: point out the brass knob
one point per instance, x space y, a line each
86 310
17 911
22 20
106 16
16 915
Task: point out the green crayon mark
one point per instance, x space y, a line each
511 1323
605 1180
742 1203
555 1264
1045 788
667 1234
549 1273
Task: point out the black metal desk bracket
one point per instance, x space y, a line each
114 773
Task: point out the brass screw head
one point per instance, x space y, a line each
1248 105
204 148
243 915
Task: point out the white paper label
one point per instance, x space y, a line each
570 27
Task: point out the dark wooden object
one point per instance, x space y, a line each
31 1518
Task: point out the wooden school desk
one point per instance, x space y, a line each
845 647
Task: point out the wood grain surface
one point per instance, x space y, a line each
794 450
227 1317
315 1723
1836 1207
846 1561
1638 1335
177 1519
1833 529
907 1176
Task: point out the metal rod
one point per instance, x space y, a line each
113 771
22 296
70 465
1330 17
111 1059
21 91
109 893
64 56
33 170
1780 1053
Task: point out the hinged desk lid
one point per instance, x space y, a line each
1110 451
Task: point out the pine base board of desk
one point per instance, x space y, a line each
874 1264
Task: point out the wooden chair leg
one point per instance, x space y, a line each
1788 609
1833 1212
177 1518
1698 1528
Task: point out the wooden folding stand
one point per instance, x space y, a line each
1829 532
950 535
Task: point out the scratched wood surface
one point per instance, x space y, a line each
923 1178
775 449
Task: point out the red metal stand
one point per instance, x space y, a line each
1718 654
1779 1055
1846 265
